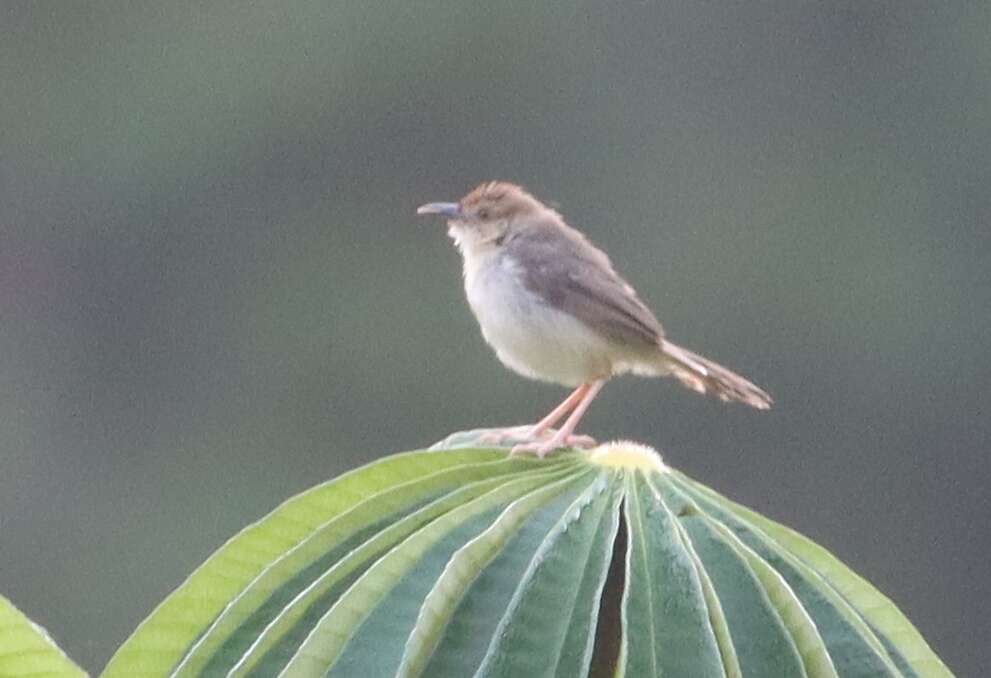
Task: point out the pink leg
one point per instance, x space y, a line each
565 435
555 415
534 431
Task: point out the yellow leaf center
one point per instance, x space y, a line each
628 455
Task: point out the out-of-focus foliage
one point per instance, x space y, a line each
209 265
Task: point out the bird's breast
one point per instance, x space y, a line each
529 335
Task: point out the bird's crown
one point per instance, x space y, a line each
494 200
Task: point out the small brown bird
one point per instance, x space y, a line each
553 308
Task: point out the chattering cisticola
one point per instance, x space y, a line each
554 309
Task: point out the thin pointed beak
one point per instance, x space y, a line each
451 210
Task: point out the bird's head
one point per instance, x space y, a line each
486 214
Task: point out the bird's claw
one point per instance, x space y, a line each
542 448
500 436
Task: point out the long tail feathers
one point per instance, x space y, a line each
705 376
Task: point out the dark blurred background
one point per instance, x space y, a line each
214 292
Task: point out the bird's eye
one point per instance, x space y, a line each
483 214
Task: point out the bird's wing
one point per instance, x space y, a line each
572 275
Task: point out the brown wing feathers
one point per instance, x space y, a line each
575 277
561 266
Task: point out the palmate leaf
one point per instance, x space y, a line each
461 561
26 649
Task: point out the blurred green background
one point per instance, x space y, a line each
214 292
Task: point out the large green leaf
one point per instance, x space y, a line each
26 649
462 561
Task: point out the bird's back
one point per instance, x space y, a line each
552 307
571 274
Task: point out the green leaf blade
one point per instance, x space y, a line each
380 645
901 639
466 604
26 649
324 645
469 562
318 587
853 648
188 616
666 624
762 643
535 626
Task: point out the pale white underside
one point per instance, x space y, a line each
530 336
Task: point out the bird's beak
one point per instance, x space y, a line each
452 210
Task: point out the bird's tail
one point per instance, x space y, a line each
705 376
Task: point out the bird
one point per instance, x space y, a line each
554 309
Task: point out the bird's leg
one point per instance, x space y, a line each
565 437
555 415
534 431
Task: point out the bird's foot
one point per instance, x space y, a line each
542 448
502 436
